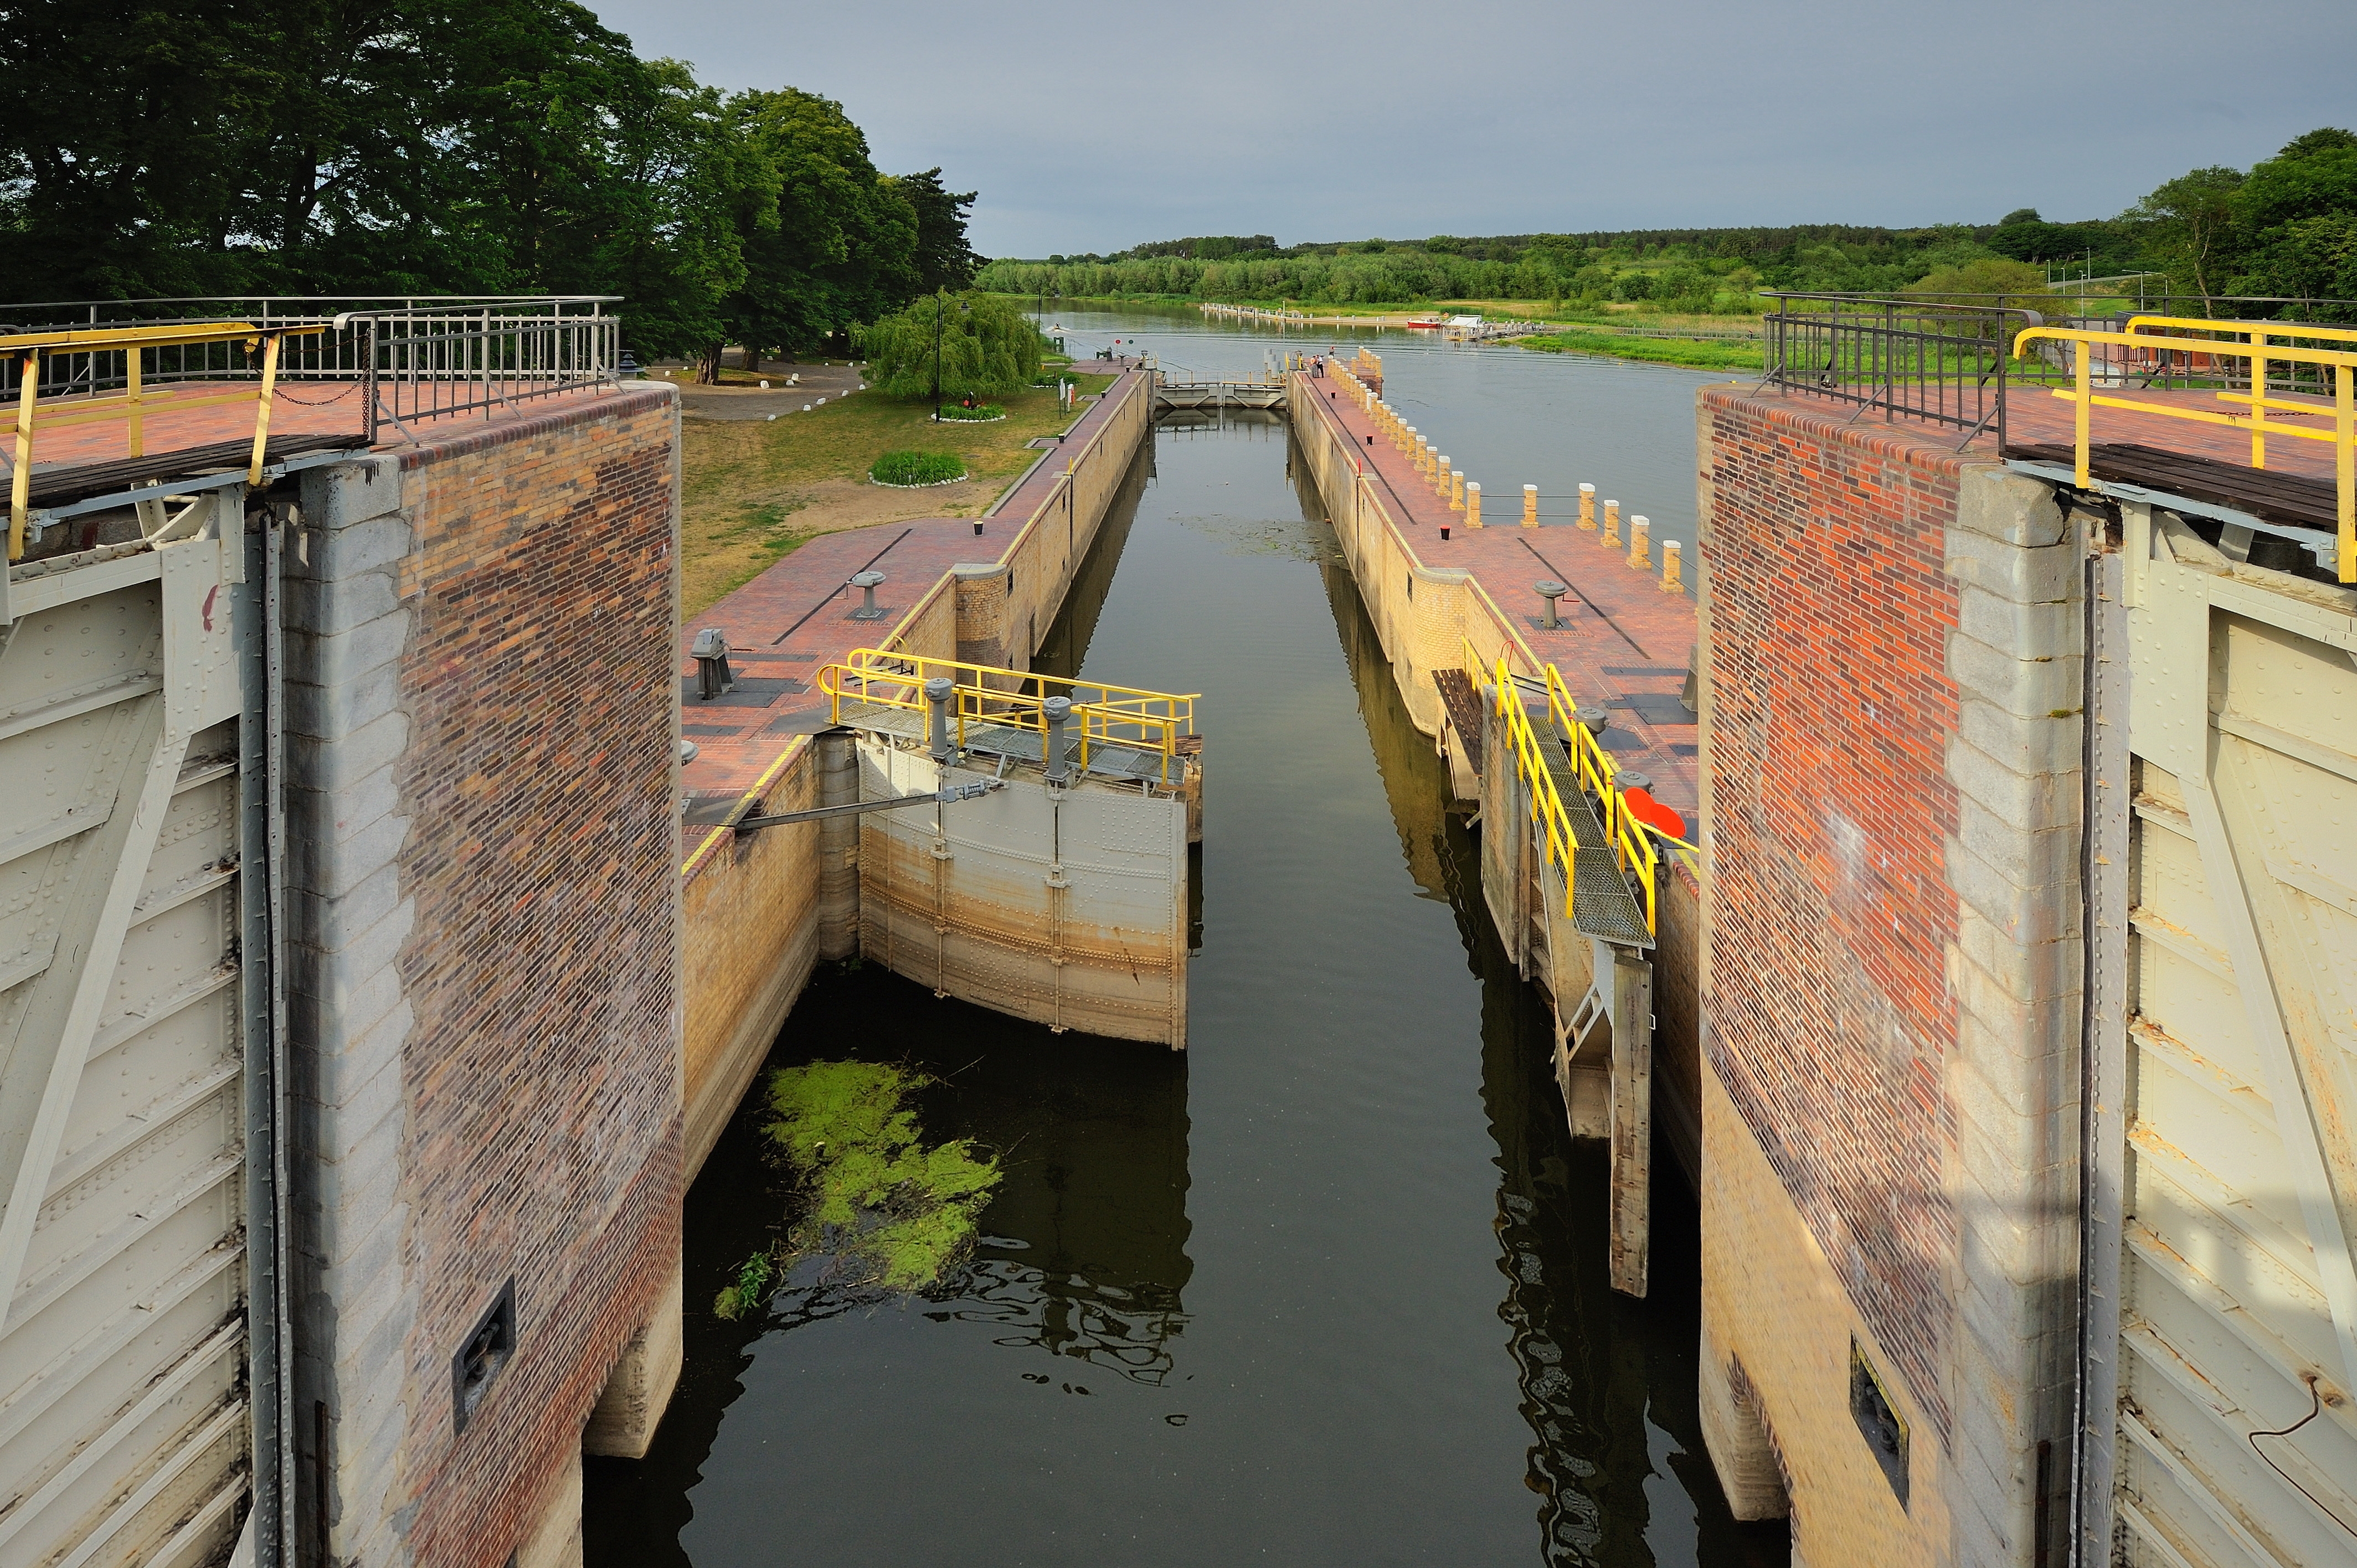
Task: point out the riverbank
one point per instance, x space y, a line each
1700 354
753 489
1692 342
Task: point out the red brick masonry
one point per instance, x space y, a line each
542 1075
1830 912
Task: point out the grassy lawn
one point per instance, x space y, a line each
752 490
1701 356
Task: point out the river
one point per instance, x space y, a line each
1329 1286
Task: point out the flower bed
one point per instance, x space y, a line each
982 414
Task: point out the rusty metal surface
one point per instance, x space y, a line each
1456 695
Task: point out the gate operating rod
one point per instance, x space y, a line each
955 792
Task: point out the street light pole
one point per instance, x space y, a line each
937 357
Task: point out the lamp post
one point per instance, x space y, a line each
940 300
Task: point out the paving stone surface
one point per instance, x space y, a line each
795 617
1624 642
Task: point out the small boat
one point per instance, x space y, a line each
1429 323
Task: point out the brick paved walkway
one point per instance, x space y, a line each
796 617
300 408
1625 641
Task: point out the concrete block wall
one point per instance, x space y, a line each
483 962
755 904
1889 974
2016 970
1004 605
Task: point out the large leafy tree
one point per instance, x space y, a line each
428 146
943 258
842 246
2188 227
2288 227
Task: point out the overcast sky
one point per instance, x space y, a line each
1093 127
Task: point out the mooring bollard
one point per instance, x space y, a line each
1588 508
937 692
1057 709
713 676
1612 522
1671 582
1473 503
1530 506
1641 555
1550 590
869 609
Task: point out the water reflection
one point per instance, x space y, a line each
1066 641
1606 1384
1329 1288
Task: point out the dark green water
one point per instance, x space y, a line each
1330 1287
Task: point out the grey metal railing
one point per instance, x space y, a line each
1947 358
1905 359
398 359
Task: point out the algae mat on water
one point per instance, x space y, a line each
881 1209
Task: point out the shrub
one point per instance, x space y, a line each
977 413
916 469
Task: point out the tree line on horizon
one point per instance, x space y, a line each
2287 228
348 147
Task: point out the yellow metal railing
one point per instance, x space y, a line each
1559 837
2252 342
1101 716
28 349
1629 839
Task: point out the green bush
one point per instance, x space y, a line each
916 469
989 347
979 412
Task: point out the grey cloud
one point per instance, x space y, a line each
1092 127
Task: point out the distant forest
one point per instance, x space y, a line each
2285 228
341 147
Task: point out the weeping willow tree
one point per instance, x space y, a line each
988 347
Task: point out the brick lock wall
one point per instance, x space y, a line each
542 1076
483 959
1830 912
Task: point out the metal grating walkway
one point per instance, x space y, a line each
1601 903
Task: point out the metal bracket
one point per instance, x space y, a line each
167 490
2323 546
949 795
